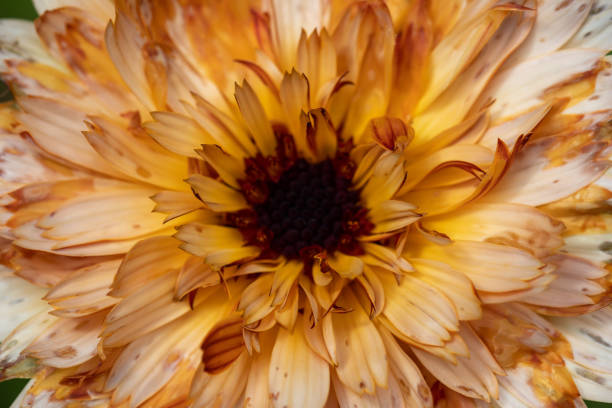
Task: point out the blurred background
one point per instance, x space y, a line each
24 9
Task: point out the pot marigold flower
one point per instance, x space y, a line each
289 203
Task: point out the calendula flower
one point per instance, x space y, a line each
290 203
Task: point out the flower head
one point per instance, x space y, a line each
307 203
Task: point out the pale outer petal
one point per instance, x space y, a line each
556 22
591 338
19 300
20 41
104 9
297 375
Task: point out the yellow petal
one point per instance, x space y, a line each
346 266
456 286
418 310
452 105
85 291
148 363
68 342
472 376
554 26
356 347
177 133
216 195
223 389
255 118
545 171
176 204
218 245
229 168
507 224
297 376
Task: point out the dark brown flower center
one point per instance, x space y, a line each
300 209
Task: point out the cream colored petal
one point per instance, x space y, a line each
256 300
522 87
56 128
216 195
365 43
297 376
103 9
596 31
522 389
68 342
456 50
256 394
490 267
30 237
596 107
381 256
20 300
20 42
125 144
150 362
176 204
390 396
593 247
555 24
533 179
417 170
509 131
372 287
286 315
508 224
314 337
193 275
285 277
407 372
591 365
392 215
472 376
125 44
455 285
535 372
355 345
316 58
85 291
106 216
288 19
222 390
576 283
177 133
13 363
146 309
454 103
23 163
418 310
146 261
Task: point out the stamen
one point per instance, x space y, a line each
301 209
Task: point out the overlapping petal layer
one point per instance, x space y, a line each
147 136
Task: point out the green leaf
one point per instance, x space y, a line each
9 391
